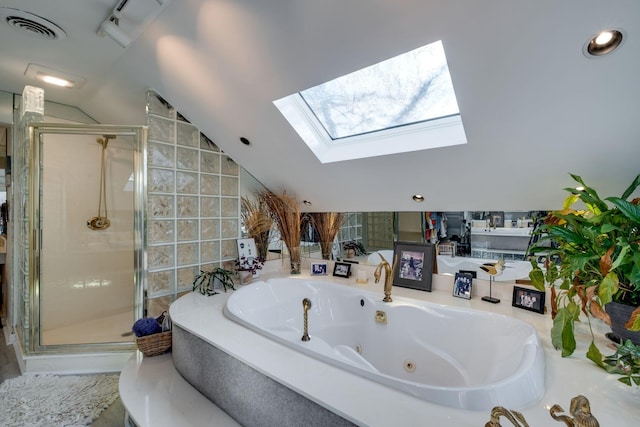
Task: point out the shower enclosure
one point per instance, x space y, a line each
85 227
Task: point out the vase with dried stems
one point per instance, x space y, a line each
327 224
257 221
285 212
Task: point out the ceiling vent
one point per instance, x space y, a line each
32 24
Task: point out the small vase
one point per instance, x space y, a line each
326 249
294 258
245 277
619 314
350 253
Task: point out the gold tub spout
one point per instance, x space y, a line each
388 276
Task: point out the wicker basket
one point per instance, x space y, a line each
155 344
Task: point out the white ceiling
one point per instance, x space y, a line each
533 106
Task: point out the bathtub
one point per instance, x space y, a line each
460 358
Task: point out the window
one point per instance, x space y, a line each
406 103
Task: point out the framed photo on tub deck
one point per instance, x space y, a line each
318 268
342 269
528 299
462 285
414 267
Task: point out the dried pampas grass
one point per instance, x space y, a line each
327 224
257 220
285 212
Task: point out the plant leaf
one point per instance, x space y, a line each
605 261
570 199
633 324
625 380
537 276
562 336
632 187
608 287
594 355
629 210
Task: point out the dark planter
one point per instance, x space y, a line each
620 314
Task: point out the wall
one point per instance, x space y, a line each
192 205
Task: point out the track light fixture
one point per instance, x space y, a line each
111 28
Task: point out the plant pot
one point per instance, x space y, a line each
620 314
245 276
294 258
350 253
326 248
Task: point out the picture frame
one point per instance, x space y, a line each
497 219
248 253
462 285
318 268
528 299
415 263
342 269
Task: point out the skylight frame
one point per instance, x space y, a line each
430 133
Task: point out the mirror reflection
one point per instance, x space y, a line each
464 239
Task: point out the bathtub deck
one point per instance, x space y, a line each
367 403
155 395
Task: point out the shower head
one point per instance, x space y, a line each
106 139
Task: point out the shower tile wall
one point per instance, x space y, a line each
192 205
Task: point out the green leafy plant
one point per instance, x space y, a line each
626 362
358 247
593 258
205 282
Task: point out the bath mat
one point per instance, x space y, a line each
55 400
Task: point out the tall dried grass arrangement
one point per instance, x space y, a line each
327 224
257 221
286 214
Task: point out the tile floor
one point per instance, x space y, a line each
111 417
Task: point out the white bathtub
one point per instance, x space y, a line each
455 357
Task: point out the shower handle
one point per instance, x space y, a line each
306 305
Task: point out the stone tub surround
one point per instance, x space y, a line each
367 403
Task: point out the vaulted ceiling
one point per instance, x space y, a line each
534 107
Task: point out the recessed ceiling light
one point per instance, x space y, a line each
307 203
603 43
419 198
580 188
245 141
57 81
53 77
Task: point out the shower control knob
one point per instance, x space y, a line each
98 223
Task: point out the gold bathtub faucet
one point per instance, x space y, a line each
388 276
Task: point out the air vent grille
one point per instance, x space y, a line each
31 24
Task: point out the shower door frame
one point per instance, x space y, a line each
36 132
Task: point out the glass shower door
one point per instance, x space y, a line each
88 254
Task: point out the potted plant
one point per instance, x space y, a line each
353 248
592 263
247 267
208 281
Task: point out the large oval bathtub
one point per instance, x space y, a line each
461 358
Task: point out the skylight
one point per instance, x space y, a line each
406 103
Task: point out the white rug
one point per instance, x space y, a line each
52 400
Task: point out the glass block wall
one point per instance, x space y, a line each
192 205
351 229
